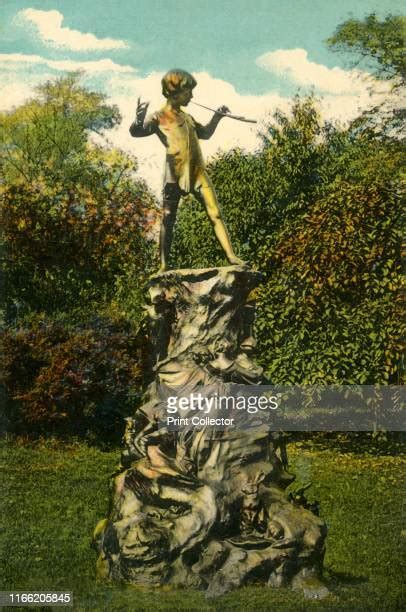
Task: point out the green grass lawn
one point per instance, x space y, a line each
53 495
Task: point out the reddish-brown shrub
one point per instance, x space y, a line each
74 380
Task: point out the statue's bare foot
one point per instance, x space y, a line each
237 261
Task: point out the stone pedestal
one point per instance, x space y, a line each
200 507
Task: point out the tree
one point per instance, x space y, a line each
75 220
380 47
380 44
47 136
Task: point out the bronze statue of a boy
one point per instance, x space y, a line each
185 171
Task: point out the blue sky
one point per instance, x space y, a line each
222 37
252 55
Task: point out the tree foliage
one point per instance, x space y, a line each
379 47
68 379
76 249
381 44
47 136
75 221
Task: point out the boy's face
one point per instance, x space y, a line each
183 97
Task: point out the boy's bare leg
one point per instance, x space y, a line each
170 207
208 196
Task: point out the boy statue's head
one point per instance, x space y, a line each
176 81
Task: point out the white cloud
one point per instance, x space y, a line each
48 26
13 61
14 93
20 74
295 66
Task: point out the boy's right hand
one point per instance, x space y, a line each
222 110
141 111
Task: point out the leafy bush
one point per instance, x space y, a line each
317 211
64 247
71 380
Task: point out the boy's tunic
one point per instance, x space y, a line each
179 133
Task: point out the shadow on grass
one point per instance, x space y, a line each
342 579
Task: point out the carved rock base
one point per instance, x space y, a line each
205 508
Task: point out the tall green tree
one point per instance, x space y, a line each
75 219
47 137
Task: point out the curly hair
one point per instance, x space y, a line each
175 81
